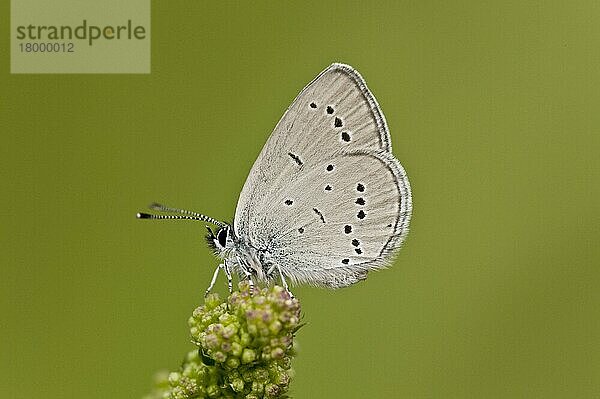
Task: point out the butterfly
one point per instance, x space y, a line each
325 202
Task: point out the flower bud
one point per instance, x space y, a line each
248 356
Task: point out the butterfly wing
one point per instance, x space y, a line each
327 165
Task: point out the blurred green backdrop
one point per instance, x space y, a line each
493 110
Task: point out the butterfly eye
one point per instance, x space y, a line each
222 237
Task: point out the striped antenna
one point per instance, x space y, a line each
189 215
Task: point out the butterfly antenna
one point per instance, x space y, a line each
189 215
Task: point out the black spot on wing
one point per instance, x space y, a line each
296 158
318 212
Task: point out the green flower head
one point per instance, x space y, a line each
245 347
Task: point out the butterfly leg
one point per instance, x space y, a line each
214 279
284 282
250 282
228 273
247 274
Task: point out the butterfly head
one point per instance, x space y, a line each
221 240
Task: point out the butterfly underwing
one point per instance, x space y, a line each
325 201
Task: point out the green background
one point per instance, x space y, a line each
493 111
